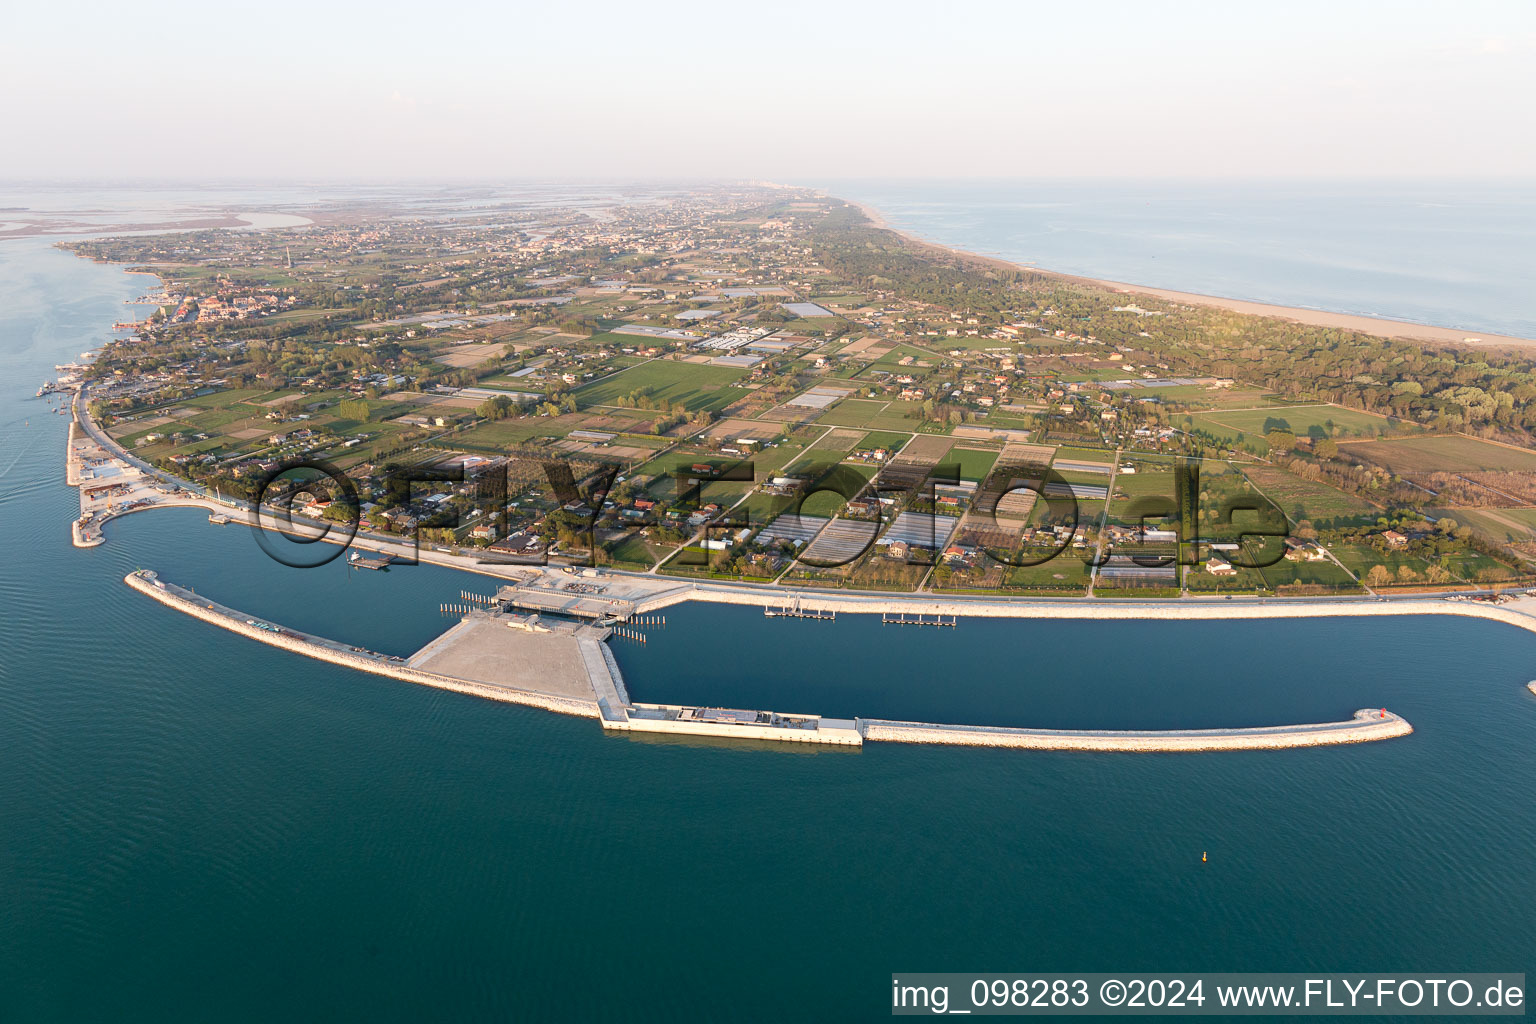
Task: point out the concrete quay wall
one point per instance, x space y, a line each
84 540
1094 608
728 730
1366 726
232 620
71 463
615 674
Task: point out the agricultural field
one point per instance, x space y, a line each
1502 525
852 412
1072 454
1005 420
695 385
1087 374
1198 396
1449 453
975 463
1305 499
502 434
1143 483
907 416
1066 573
254 396
1236 425
891 440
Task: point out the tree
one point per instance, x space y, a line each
497 408
353 409
1281 441
1326 448
1379 576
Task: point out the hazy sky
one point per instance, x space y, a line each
773 90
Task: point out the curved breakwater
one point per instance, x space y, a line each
339 654
1367 725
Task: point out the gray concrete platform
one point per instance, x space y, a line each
487 650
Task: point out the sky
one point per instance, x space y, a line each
780 91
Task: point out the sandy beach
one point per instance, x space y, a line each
1313 317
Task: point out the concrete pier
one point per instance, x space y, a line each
731 723
566 669
1367 725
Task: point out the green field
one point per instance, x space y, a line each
220 399
1301 420
904 416
506 433
695 385
1066 572
851 412
975 463
1103 455
889 439
1142 483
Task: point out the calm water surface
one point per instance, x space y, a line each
1444 253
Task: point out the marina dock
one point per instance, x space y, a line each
903 619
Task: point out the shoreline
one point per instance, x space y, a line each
1380 327
647 593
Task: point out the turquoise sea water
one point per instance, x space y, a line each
193 825
1449 254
